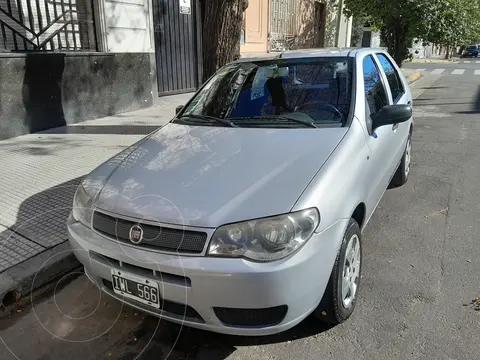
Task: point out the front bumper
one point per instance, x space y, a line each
230 296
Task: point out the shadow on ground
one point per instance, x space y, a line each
164 339
105 129
475 106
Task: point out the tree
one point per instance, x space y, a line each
221 29
448 22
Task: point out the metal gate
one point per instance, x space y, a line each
177 40
283 24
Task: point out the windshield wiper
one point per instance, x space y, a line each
275 117
212 118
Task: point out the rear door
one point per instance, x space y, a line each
399 93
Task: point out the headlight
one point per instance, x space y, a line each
266 239
82 206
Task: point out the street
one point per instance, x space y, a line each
464 67
421 269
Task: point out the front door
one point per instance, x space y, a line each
176 45
400 94
256 27
380 140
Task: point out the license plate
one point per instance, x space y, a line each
136 288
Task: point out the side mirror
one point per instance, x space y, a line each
392 114
178 109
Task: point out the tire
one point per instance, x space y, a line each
403 171
335 307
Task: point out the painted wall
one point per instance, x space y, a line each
126 25
43 91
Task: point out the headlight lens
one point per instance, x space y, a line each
265 239
82 206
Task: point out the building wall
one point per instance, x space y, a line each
307 26
43 91
127 25
40 90
276 17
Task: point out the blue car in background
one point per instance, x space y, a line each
472 50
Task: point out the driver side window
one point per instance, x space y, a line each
375 93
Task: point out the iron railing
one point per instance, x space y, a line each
47 25
283 24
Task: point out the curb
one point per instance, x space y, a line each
433 61
20 280
414 77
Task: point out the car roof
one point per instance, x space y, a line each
312 53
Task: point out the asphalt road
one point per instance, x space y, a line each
421 271
464 63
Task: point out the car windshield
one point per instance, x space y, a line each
275 93
472 47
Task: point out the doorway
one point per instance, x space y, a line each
177 45
320 24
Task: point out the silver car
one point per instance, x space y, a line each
244 214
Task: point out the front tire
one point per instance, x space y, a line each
340 297
403 172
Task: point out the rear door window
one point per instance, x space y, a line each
394 82
375 92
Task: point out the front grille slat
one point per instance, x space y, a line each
154 237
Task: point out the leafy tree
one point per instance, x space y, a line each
456 23
448 22
222 24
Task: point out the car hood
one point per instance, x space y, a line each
208 176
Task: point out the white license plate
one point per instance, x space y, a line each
136 288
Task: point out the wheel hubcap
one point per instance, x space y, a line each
351 271
408 153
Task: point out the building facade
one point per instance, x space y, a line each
66 61
277 25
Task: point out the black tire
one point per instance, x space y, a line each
403 171
332 310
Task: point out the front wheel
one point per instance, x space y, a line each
401 175
340 296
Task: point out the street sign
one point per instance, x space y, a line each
185 7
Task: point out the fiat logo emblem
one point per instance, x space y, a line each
136 234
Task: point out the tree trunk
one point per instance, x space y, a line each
222 25
394 35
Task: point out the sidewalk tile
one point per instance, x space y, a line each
15 248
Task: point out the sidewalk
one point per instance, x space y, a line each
436 59
39 176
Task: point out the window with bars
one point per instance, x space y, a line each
283 17
47 25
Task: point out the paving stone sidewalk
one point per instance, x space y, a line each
38 177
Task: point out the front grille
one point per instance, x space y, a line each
251 317
154 237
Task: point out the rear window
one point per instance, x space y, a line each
310 90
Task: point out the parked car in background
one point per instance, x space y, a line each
472 50
244 214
